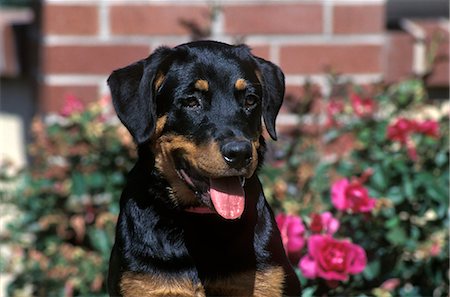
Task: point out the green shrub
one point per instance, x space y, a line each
386 151
68 201
391 146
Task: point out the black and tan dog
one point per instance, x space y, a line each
193 218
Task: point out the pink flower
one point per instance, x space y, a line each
333 108
390 284
362 107
71 105
428 127
324 222
411 149
400 130
292 232
346 195
332 259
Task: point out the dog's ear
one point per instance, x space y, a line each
133 95
273 88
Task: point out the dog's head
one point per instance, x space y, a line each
199 107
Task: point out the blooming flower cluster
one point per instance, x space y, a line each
362 107
327 257
71 105
402 129
359 107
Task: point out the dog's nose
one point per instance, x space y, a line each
237 154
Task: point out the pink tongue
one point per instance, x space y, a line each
227 195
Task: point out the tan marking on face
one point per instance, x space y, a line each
202 85
265 283
138 284
164 148
254 162
158 81
160 123
206 159
240 84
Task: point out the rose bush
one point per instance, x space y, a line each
377 162
360 191
67 201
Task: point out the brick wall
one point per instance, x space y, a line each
83 41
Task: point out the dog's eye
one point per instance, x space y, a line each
191 102
251 100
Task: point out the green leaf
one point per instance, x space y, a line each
378 178
100 241
397 236
96 180
441 159
395 194
392 222
372 270
436 194
408 187
309 291
78 184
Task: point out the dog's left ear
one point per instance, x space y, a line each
132 91
273 88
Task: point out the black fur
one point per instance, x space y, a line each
154 235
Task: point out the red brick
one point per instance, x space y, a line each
262 51
398 56
52 97
273 19
99 59
358 19
309 59
156 19
70 20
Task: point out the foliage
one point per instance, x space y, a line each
386 184
366 190
68 202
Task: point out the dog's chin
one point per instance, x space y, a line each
217 194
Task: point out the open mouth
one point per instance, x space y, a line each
225 195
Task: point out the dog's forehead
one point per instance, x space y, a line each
216 64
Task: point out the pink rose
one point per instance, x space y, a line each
346 195
332 259
71 105
292 232
333 108
400 130
362 107
324 222
428 127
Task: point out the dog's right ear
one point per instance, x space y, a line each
133 94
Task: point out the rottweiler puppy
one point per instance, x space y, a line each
193 217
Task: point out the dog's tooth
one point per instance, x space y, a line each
242 181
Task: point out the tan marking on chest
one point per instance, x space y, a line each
143 285
265 283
